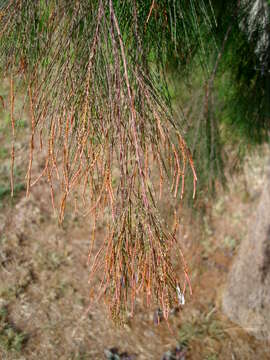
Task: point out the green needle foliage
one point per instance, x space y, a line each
229 107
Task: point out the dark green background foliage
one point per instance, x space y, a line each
238 109
245 79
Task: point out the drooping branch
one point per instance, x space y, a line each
94 87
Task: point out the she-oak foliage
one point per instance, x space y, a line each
95 73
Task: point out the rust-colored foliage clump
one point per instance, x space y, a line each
97 111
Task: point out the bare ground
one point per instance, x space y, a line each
44 291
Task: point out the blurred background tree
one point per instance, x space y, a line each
110 87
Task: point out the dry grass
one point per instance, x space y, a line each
44 291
